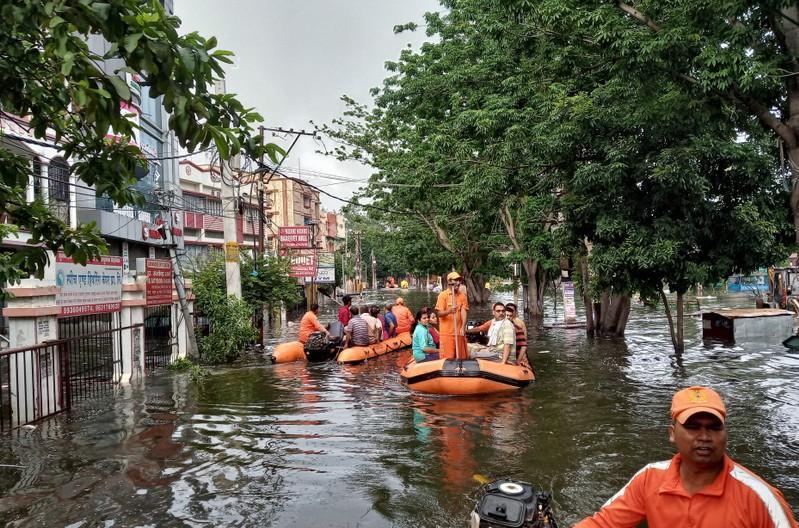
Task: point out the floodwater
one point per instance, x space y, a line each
332 446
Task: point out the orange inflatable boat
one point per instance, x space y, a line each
359 354
288 352
465 376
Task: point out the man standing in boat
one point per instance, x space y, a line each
701 486
451 308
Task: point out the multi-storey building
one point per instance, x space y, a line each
203 213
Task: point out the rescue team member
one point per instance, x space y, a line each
448 313
310 324
701 487
404 316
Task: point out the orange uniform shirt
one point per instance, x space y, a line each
446 325
736 499
404 318
308 325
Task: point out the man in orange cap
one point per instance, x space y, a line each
701 486
451 308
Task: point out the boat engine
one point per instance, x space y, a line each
319 347
512 504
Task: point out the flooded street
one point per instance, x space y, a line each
326 445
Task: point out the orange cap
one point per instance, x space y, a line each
453 275
692 400
400 300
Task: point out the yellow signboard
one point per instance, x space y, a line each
231 252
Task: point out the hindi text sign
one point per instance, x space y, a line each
90 289
159 281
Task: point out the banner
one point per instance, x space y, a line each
325 268
294 237
159 282
90 289
302 265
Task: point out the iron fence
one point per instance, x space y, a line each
94 351
159 340
42 380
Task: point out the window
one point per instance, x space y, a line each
306 201
59 180
214 207
194 204
38 186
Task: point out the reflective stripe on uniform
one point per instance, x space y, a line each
764 493
664 465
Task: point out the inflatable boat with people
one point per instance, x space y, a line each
359 354
461 377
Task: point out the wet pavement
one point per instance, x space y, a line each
326 445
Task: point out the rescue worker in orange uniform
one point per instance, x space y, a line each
701 486
404 316
451 308
310 324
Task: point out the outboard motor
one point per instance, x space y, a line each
512 504
319 347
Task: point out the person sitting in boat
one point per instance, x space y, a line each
501 338
390 327
344 312
403 314
375 328
356 333
310 324
433 326
511 312
424 349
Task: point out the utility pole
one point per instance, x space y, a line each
374 271
261 204
180 287
358 286
230 216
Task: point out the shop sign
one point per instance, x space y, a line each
90 289
303 263
159 281
325 275
294 236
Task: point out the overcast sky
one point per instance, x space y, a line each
296 58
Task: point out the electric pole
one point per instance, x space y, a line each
230 216
374 271
358 286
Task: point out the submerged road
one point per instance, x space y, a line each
326 445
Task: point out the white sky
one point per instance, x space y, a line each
296 58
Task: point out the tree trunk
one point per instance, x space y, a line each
615 313
590 327
672 331
535 308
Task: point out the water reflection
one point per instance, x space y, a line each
302 445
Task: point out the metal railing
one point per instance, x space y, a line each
42 380
159 339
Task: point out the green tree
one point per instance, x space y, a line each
265 282
51 79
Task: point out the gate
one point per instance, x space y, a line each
94 353
159 340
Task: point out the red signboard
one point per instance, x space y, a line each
294 236
159 281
